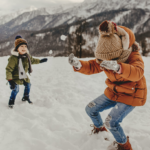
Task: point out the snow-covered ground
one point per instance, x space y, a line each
57 118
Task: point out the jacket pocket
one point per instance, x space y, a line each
128 87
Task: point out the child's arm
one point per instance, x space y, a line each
133 71
37 61
85 67
34 60
10 68
89 67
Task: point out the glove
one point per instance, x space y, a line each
110 65
43 60
74 61
12 84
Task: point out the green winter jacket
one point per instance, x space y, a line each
12 68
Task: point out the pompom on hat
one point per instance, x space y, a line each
109 46
18 36
19 41
107 28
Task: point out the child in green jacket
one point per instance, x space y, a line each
19 64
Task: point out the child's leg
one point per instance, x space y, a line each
13 95
27 89
117 114
27 92
98 105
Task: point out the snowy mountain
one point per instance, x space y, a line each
60 8
40 42
116 4
26 17
86 9
91 7
6 18
66 14
16 24
53 22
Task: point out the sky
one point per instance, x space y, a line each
8 6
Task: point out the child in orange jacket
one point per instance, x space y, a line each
126 83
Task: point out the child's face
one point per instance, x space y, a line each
22 49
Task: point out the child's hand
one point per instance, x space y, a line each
110 65
12 84
43 60
74 61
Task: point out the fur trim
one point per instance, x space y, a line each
125 37
13 52
136 47
107 28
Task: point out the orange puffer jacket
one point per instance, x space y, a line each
129 87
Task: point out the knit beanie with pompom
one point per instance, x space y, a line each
109 46
19 41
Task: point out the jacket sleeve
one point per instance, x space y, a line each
10 68
89 67
34 60
133 71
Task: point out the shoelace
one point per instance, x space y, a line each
115 145
95 130
118 146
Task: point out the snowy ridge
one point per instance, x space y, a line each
49 17
57 118
6 18
27 16
140 24
84 9
117 19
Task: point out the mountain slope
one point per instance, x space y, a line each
8 17
16 24
42 41
67 14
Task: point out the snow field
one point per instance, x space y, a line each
57 119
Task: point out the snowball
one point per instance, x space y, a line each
63 37
50 52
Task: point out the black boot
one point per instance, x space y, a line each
11 103
26 98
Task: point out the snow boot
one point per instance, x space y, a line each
117 146
26 98
11 103
97 130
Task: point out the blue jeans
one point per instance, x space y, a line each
116 115
16 90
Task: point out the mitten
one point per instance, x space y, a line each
12 84
74 61
43 60
110 65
